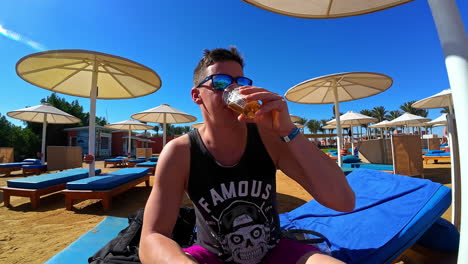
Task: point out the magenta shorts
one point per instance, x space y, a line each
287 251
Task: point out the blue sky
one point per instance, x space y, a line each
280 51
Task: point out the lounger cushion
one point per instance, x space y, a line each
370 166
435 151
136 161
32 160
332 151
144 158
109 180
11 165
351 159
34 166
444 154
391 213
147 164
46 180
153 159
114 160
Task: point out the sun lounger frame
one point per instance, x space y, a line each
105 195
7 171
115 163
33 194
435 158
33 171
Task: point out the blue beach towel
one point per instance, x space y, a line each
386 204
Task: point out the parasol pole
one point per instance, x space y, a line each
44 131
129 145
164 128
92 117
352 138
338 123
455 171
454 42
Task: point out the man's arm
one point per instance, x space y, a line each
299 158
162 207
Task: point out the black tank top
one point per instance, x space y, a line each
236 207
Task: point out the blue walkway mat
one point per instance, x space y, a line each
84 247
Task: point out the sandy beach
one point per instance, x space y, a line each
34 236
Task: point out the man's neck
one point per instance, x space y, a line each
226 142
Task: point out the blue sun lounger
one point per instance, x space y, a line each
392 213
37 186
7 168
436 155
105 186
117 161
370 166
148 164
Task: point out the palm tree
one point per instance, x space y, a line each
366 112
393 114
323 123
313 126
379 112
301 121
407 107
156 128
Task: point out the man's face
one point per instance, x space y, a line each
212 99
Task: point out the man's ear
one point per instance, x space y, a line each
196 96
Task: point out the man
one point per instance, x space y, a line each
227 167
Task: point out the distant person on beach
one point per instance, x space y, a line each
227 168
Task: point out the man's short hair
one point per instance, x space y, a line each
210 57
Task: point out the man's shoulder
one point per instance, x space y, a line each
179 144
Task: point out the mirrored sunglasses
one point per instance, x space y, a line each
222 81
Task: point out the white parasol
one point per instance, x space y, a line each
88 74
352 119
197 125
340 87
324 8
441 120
45 114
164 114
439 100
383 124
408 120
129 125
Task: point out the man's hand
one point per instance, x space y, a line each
273 113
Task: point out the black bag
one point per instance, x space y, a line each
308 237
123 249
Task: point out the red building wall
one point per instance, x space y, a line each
158 143
117 143
71 134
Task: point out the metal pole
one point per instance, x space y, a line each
129 145
455 171
454 41
338 124
92 118
44 131
164 128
